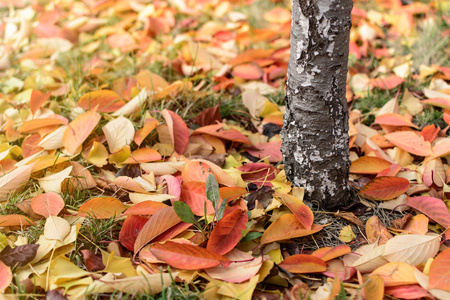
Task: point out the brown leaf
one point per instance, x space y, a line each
18 256
208 116
376 231
93 262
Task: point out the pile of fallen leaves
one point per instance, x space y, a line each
109 188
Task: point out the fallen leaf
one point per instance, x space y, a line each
178 130
227 232
18 256
105 100
303 263
56 228
14 181
287 227
5 277
187 257
303 213
119 132
47 204
102 208
384 188
439 272
411 248
79 129
410 141
432 207
369 165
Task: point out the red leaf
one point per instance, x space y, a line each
303 213
258 173
105 101
227 232
303 263
193 193
208 116
413 291
433 208
178 130
410 141
47 204
102 208
218 131
130 230
384 188
161 221
187 257
440 272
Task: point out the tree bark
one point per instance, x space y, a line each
315 130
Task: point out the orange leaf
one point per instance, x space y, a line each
37 99
218 131
105 101
376 231
303 263
151 81
143 155
15 220
5 277
287 227
432 207
142 133
250 55
369 165
160 222
193 193
232 193
440 272
328 253
187 257
35 125
47 204
249 71
144 208
130 230
394 120
45 161
410 141
178 130
79 129
227 232
387 83
196 171
374 287
384 188
439 102
102 208
396 273
278 15
303 213
14 181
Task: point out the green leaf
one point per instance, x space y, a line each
221 210
184 212
251 236
212 190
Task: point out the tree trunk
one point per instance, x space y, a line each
315 130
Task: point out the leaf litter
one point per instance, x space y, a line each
140 151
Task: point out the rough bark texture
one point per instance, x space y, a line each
315 130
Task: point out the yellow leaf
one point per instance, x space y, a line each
52 183
56 228
346 234
242 291
98 156
117 264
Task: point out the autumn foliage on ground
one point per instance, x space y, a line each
140 154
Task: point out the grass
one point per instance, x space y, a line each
97 233
369 104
